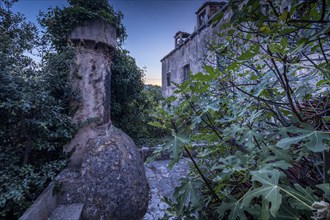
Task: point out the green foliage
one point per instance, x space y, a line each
186 194
314 139
269 190
131 101
126 86
21 185
59 22
258 122
33 117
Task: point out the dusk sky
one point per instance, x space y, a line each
150 25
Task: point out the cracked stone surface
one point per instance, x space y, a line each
162 181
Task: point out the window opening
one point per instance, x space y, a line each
168 79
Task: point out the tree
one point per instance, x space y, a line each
59 22
132 102
258 123
33 121
127 98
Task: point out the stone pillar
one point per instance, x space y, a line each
106 172
105 178
90 100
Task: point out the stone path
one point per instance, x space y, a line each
162 182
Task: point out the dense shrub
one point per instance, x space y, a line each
33 116
258 122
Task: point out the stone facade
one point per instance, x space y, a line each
191 51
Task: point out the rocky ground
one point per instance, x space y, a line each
162 182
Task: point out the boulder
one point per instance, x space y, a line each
111 181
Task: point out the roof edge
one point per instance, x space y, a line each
208 3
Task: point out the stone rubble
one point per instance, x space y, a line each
162 181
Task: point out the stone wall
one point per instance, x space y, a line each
194 51
43 207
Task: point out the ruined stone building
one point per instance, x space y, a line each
191 51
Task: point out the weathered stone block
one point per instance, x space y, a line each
43 206
96 31
67 212
90 80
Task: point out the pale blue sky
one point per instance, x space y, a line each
150 25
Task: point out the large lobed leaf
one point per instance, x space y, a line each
186 193
236 212
269 190
313 140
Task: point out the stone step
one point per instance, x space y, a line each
67 212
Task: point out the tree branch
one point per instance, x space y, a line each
325 57
323 10
258 98
273 8
288 92
205 180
